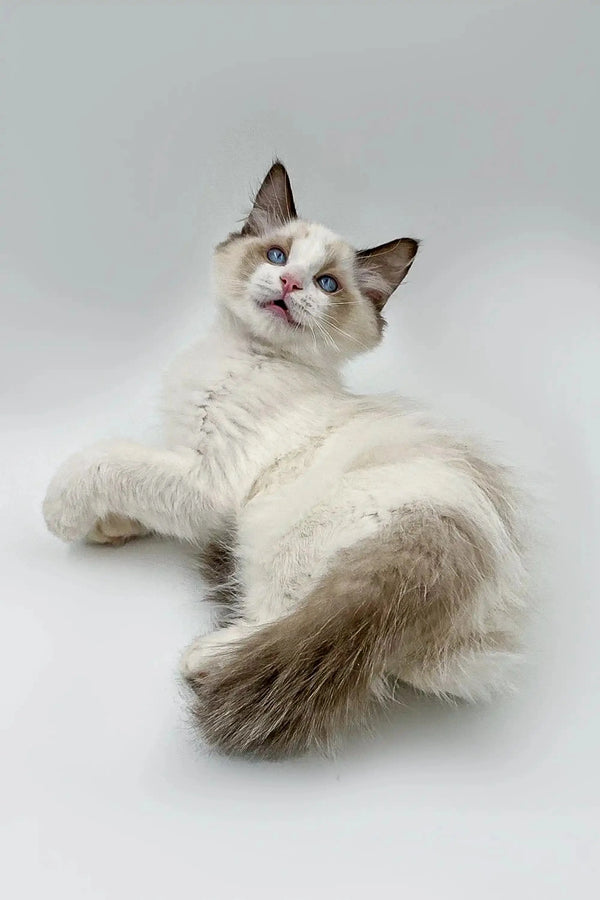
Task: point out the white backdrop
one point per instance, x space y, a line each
134 135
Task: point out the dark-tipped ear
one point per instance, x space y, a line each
382 268
274 202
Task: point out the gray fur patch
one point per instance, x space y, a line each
298 682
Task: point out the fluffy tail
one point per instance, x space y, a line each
299 681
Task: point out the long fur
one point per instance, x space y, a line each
351 540
401 601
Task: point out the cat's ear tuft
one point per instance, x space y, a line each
382 268
273 204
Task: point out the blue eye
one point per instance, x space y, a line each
276 256
328 283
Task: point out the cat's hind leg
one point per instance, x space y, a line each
197 658
418 597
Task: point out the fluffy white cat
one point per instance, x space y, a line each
353 541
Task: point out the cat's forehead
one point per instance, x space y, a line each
314 244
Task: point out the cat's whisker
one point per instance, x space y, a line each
350 337
312 330
328 337
346 302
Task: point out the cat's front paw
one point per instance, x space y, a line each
115 531
68 507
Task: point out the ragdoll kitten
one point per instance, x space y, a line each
355 541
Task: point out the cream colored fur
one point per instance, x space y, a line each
263 441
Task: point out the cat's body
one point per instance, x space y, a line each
355 540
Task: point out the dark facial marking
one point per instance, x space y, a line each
274 203
381 269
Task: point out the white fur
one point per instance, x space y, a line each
260 432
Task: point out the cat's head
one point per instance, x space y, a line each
301 288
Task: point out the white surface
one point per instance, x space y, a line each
135 133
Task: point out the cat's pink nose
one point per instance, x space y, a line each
290 283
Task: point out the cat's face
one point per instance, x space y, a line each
298 286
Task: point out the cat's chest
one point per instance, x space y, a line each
231 408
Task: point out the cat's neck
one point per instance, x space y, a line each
236 340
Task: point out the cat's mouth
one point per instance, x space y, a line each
280 309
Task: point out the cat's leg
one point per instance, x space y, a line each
164 491
280 566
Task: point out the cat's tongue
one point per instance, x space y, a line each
278 311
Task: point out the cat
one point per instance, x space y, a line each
356 543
